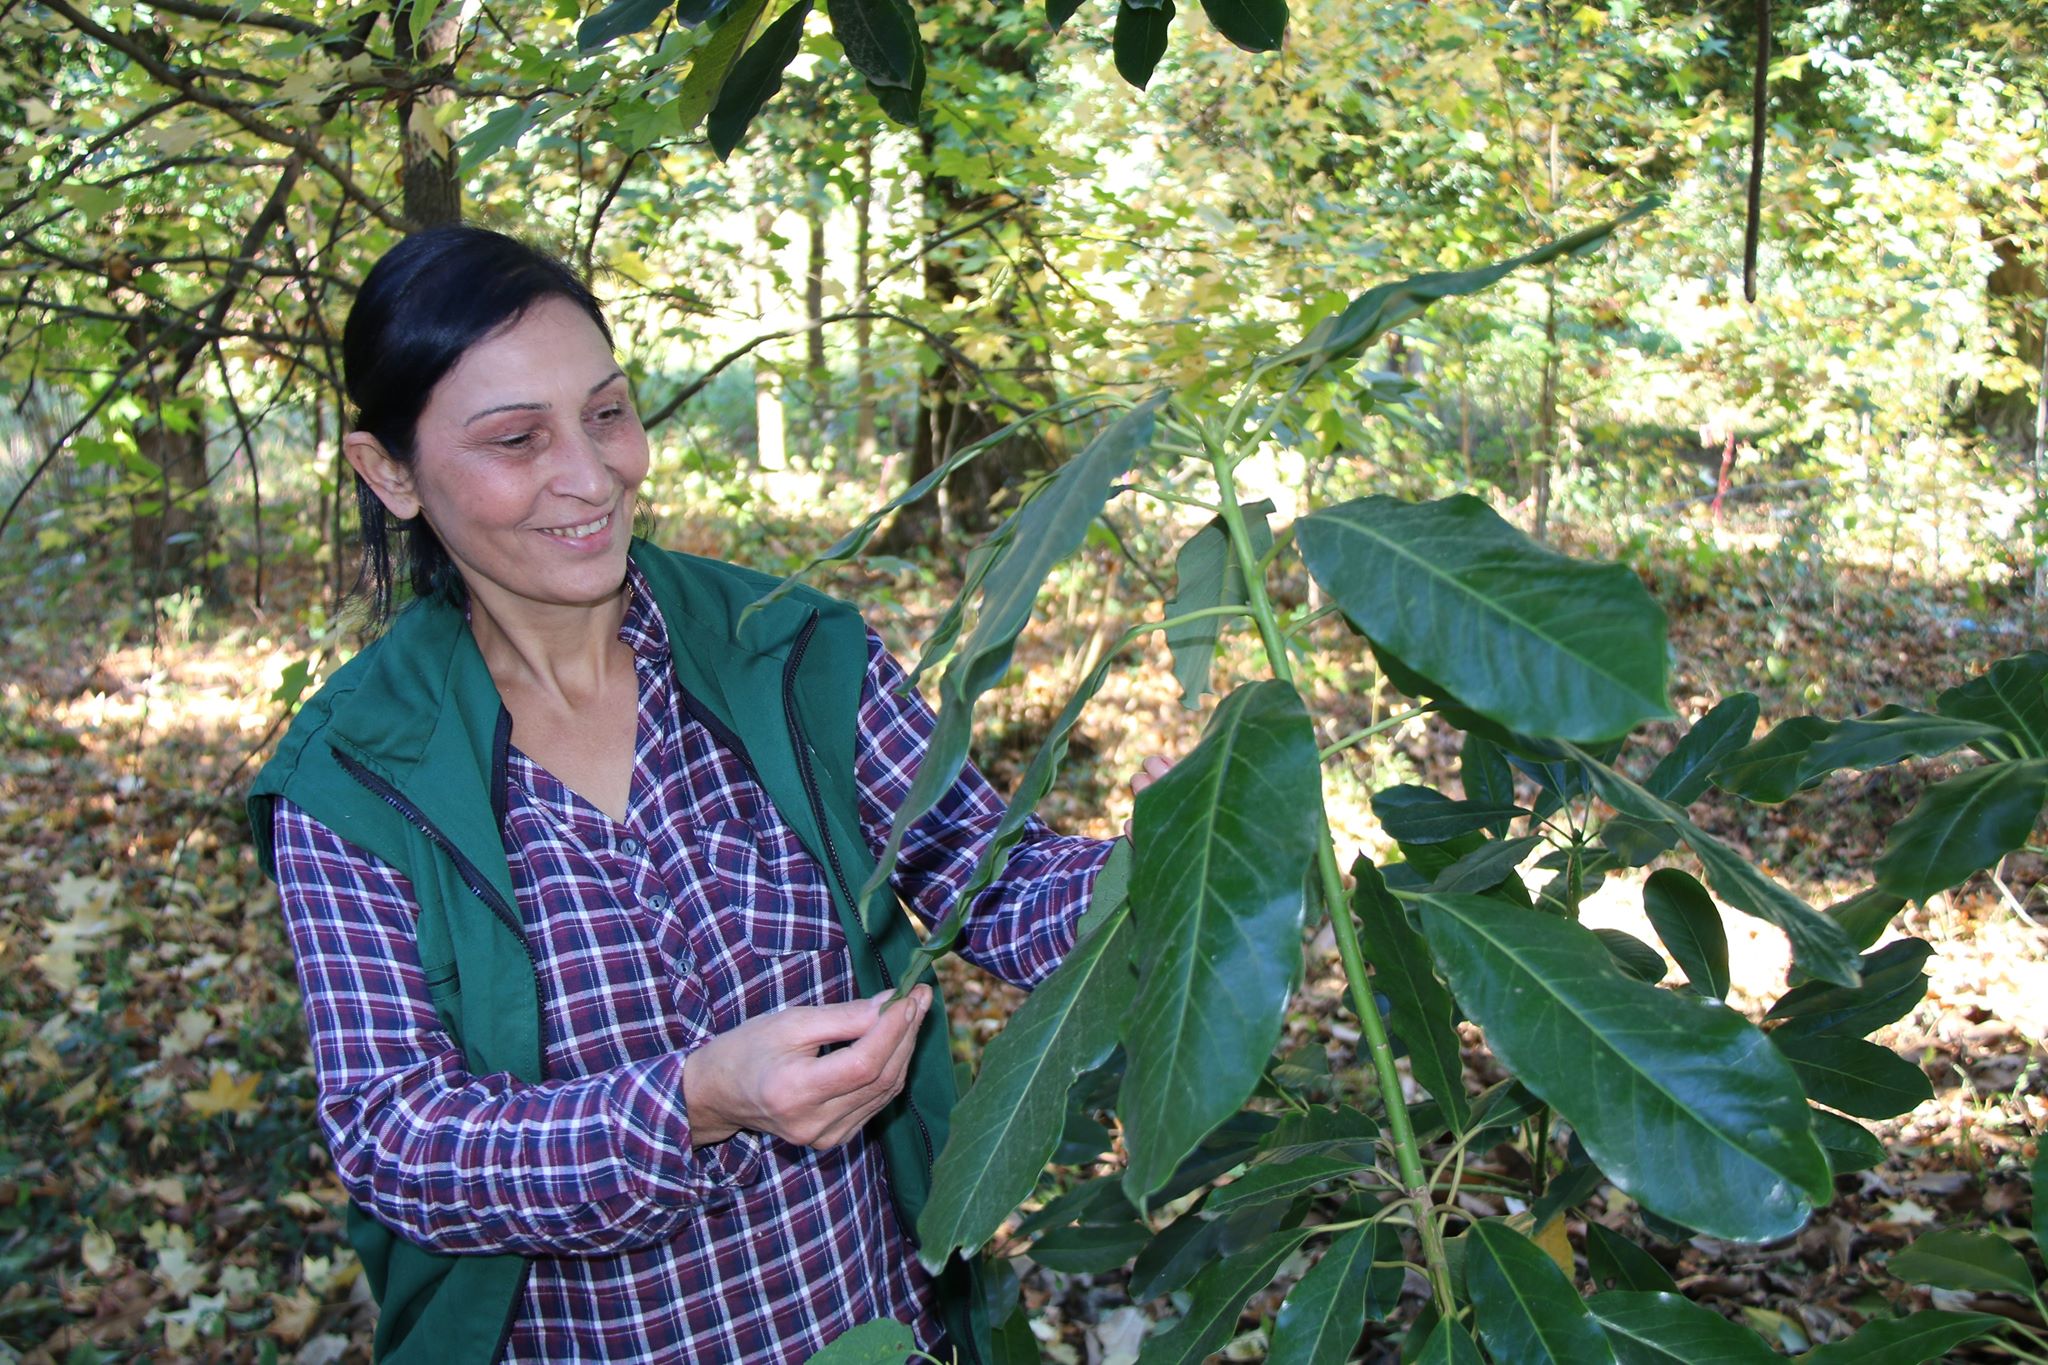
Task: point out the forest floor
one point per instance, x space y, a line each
163 1191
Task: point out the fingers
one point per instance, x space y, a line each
1151 770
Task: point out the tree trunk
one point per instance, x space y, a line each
864 327
172 527
1546 411
432 193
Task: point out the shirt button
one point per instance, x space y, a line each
632 848
658 901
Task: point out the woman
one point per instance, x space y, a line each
568 858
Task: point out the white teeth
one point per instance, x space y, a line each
588 528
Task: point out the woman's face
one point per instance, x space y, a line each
527 457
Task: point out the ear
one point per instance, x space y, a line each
388 479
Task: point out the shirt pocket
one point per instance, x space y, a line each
755 905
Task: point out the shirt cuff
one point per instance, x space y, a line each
646 1107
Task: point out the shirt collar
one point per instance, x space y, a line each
643 630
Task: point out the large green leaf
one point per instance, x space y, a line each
1950 1259
1384 307
1091 1248
1207 575
711 64
1268 1181
1855 1077
1421 815
755 78
1447 1344
1689 924
2012 695
1222 849
1337 1130
884 1341
617 20
881 41
1817 942
1614 1262
1682 1101
1670 1329
1525 1308
857 539
1962 826
1254 25
1487 866
1800 753
1421 1012
1139 39
1324 1313
1047 529
1543 644
1914 1340
1006 1127
1681 776
1216 1297
1489 779
1849 1145
1893 983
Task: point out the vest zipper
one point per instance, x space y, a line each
810 781
481 888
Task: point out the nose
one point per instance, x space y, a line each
580 469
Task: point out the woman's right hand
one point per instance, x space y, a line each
768 1076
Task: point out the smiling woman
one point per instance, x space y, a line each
568 863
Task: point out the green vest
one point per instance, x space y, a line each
402 753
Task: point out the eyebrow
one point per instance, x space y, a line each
540 407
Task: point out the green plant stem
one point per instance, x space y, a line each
1160 493
1378 726
1407 1152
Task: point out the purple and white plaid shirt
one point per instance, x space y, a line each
698 911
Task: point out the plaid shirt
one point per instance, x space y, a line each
700 910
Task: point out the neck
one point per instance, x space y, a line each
564 651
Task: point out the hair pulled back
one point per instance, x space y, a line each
426 302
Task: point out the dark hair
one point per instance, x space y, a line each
427 301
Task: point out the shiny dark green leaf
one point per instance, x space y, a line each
1769 770
1849 1145
1682 1101
1254 25
1139 39
1207 576
881 41
1420 815
1913 1340
1855 1077
1614 1262
1866 915
1681 776
2012 695
1893 982
1090 1248
1488 866
1006 1126
1268 1181
755 78
1546 645
1818 943
1632 955
617 20
1043 532
884 1341
1215 1299
1324 1313
1324 1130
1950 1259
1384 307
1689 924
1222 849
1670 1329
1421 1012
1962 826
1525 1308
1489 779
710 65
1800 753
1447 1344
1057 12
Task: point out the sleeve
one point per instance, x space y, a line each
459 1163
1021 926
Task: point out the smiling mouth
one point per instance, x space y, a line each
586 530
